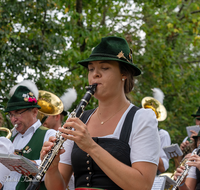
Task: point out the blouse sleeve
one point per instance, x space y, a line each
165 140
144 140
66 156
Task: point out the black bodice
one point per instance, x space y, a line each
87 173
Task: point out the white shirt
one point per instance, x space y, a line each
20 141
165 140
144 139
192 170
6 147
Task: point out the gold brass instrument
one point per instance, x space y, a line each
9 134
156 106
8 131
50 105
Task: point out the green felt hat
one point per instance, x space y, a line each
197 113
112 48
22 98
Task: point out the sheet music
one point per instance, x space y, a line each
195 128
159 183
19 164
173 151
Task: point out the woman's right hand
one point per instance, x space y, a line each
47 146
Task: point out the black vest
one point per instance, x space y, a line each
86 172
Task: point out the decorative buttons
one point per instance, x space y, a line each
88 162
90 173
88 168
88 184
87 178
88 155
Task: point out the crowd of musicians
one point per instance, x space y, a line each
115 146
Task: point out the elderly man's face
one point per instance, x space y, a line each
24 118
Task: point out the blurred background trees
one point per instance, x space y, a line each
43 40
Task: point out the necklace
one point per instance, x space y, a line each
102 122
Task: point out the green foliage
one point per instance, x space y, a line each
34 37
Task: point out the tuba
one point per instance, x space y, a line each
50 105
156 106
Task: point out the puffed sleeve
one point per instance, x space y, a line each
165 140
144 140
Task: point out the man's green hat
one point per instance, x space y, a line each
22 98
197 113
112 48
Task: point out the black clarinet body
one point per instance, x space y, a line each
45 164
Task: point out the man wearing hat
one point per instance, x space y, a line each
55 121
28 136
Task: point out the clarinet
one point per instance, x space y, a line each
185 172
48 159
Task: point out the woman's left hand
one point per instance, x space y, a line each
194 160
80 135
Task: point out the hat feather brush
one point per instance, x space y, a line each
158 94
29 84
68 98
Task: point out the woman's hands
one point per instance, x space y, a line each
194 160
80 135
47 146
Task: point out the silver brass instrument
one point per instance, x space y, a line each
50 105
185 172
156 106
45 164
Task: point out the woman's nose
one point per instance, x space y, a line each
96 73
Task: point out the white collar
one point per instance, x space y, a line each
32 128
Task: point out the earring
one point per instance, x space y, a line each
123 79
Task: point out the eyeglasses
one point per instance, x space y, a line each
17 115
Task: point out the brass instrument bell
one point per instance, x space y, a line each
9 134
50 105
156 106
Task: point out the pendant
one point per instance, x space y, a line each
102 123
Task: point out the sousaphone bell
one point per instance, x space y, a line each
50 105
156 106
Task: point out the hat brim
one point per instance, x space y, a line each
21 107
194 137
195 115
101 58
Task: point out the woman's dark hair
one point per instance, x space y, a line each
129 72
194 144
